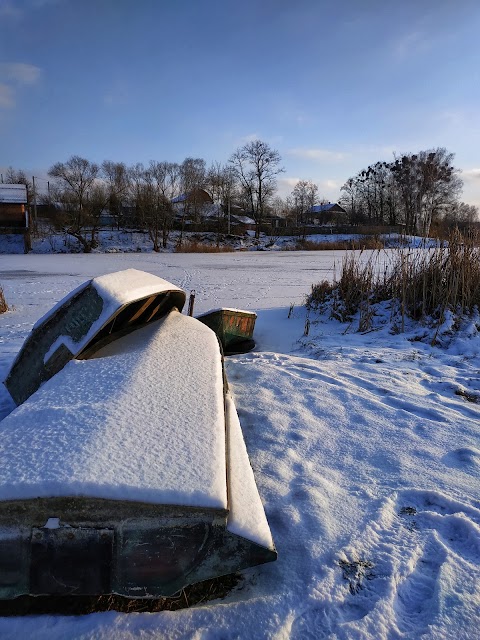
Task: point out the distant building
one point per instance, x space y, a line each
192 206
14 218
329 213
197 197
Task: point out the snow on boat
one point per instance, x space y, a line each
233 327
96 312
127 472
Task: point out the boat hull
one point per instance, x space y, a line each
233 327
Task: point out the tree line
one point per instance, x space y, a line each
144 195
414 190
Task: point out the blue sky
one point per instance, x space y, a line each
332 85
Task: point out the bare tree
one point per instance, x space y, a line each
305 196
428 183
221 185
461 215
82 196
18 176
192 179
116 178
164 178
256 166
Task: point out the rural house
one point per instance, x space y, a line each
192 204
328 214
14 218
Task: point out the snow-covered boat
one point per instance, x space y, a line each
96 312
126 472
233 327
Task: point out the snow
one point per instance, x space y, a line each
13 193
247 516
116 290
366 459
129 241
223 309
123 424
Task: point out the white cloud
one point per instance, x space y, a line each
287 183
16 9
410 43
328 188
20 73
250 137
330 185
14 75
471 175
317 154
7 97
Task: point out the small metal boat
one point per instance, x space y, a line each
233 327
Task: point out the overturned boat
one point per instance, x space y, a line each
96 312
126 472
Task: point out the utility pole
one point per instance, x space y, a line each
34 205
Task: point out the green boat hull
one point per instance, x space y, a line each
233 327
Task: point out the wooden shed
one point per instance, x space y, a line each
14 218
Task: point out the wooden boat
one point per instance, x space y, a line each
126 472
233 327
96 312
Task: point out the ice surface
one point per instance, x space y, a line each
143 420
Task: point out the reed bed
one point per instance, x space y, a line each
421 284
340 245
3 303
192 246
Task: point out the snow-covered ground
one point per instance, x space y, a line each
113 241
365 449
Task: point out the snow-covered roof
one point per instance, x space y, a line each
142 420
185 196
320 208
181 198
13 194
242 219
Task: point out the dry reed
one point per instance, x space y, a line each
420 284
192 246
3 303
340 245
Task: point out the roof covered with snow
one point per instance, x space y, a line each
13 194
321 208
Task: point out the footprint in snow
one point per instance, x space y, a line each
416 601
465 459
404 550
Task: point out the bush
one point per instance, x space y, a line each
420 284
192 246
3 303
361 243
